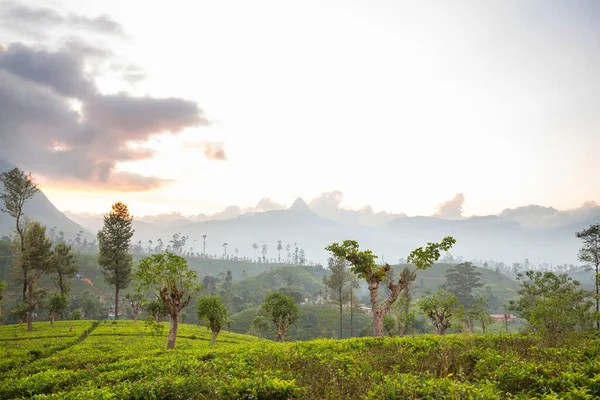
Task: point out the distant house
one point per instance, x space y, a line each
366 310
502 317
79 276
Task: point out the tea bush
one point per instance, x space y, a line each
122 361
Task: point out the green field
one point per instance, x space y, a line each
121 361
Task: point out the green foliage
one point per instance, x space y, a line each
120 362
461 280
56 305
259 327
2 288
65 266
553 305
167 279
439 307
424 257
113 244
479 312
590 253
75 315
389 325
212 309
362 262
282 310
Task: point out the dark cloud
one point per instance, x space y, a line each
60 71
40 130
214 151
36 21
451 208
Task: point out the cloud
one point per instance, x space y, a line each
35 22
328 205
451 208
40 131
267 204
534 216
214 151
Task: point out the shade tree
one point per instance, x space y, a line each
363 264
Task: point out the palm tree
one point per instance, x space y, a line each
225 250
204 248
279 247
255 247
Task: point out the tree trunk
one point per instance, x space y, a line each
280 336
341 324
377 325
173 331
117 302
597 298
22 239
29 306
135 314
351 309
214 337
60 283
52 319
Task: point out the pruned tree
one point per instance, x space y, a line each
259 326
36 261
56 305
479 312
338 282
255 247
212 309
590 253
19 187
2 289
204 245
282 310
64 266
135 301
114 256
439 307
154 308
167 279
363 264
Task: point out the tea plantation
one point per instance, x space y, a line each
92 360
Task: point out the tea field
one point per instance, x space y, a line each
91 360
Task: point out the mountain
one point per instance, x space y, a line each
300 206
42 210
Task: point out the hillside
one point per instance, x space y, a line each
42 210
91 360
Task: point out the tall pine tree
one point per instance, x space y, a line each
114 256
18 188
36 261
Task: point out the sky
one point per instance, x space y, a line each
403 106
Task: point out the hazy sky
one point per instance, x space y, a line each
397 104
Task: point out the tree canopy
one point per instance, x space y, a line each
282 310
212 309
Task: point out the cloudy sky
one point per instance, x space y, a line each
400 105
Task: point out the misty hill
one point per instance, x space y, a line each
40 209
489 237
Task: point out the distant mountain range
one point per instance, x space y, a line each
487 237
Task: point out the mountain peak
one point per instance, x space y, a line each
300 206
